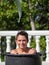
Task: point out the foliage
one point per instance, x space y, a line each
40 14
9 15
42 43
33 43
43 47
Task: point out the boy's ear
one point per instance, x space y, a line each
16 42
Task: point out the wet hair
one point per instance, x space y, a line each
23 33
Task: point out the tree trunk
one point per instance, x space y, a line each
31 19
32 23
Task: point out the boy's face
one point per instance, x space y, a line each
21 41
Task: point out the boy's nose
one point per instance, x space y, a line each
21 42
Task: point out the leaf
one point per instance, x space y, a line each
18 3
4 1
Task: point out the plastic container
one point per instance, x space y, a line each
23 59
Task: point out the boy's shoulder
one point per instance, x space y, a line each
32 50
14 51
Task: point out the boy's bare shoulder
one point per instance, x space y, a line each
13 51
32 50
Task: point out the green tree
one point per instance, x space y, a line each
28 15
39 14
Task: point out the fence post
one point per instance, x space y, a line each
0 48
8 48
37 43
47 48
29 40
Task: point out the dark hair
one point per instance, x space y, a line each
22 33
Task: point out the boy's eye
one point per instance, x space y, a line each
24 40
19 40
